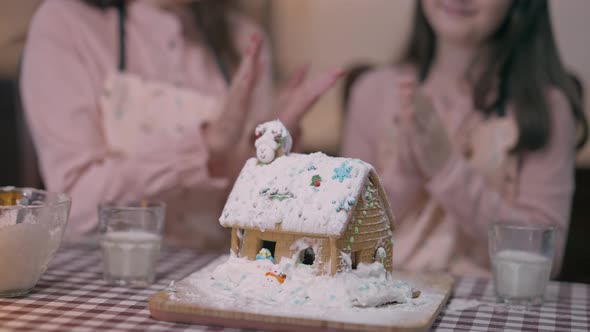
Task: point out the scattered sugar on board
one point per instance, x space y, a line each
462 304
251 286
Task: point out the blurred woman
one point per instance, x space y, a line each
478 123
156 99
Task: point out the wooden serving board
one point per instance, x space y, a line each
436 289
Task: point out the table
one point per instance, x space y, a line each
473 308
71 296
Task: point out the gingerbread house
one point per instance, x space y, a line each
331 213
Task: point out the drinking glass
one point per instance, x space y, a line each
521 260
130 237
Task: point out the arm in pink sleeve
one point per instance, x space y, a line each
373 96
544 189
60 100
262 100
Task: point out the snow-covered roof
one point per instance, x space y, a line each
303 193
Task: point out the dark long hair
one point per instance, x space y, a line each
211 16
524 57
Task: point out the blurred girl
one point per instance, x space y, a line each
476 124
156 99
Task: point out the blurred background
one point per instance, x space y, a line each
328 34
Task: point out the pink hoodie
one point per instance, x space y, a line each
442 222
71 50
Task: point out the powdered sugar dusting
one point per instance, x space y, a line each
368 295
303 193
463 304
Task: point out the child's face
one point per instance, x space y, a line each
465 22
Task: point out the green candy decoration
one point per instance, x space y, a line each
316 181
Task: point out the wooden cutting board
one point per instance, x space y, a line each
170 306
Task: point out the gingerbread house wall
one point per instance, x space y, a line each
287 245
369 229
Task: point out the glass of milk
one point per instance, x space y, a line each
521 260
130 237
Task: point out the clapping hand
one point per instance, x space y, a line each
223 134
431 143
422 134
227 138
298 95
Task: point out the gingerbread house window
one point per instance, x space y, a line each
355 258
270 245
307 256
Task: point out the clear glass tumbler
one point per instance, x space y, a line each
521 259
130 238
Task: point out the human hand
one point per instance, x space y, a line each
430 143
298 95
224 134
398 148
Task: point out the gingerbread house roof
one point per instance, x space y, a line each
300 193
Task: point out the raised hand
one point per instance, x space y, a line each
298 95
430 144
403 131
229 138
222 135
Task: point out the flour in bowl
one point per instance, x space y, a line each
25 251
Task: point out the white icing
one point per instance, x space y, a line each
265 151
237 284
380 255
243 280
282 192
345 262
271 136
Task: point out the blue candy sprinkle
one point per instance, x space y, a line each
342 172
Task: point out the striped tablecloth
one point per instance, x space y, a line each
72 297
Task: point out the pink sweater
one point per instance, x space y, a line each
442 223
71 50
